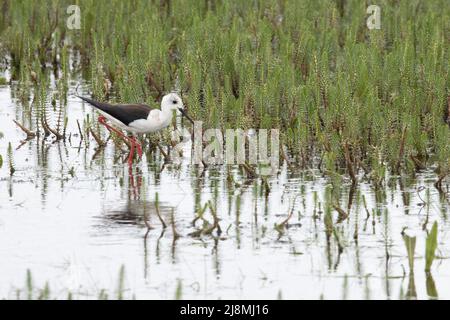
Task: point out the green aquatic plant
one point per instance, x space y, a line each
431 287
30 291
10 159
29 285
360 98
44 293
1 158
164 225
430 247
328 216
179 290
121 285
410 244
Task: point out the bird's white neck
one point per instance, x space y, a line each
166 115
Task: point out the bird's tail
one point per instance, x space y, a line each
99 105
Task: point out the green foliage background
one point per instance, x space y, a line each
311 68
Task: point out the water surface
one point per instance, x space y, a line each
74 220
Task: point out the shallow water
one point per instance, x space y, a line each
75 228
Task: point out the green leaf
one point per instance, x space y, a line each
179 290
1 161
410 243
411 293
121 287
430 247
431 287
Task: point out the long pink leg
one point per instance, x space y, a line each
132 140
130 156
102 120
138 146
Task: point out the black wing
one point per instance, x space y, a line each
125 113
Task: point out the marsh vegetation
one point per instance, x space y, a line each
358 208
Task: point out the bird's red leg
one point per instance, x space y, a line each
130 156
132 140
139 148
137 145
102 120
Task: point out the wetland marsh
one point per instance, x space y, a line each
358 208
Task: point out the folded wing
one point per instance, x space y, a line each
125 113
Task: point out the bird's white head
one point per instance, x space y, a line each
171 101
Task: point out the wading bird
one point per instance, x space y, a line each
138 118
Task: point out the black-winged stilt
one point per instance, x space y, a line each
138 118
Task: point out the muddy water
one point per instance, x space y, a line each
74 219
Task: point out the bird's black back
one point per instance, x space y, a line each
125 113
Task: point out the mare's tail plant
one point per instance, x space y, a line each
10 159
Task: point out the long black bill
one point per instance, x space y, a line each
186 115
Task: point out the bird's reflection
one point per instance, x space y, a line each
135 180
134 212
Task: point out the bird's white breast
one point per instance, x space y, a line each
155 121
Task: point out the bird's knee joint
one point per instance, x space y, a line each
102 119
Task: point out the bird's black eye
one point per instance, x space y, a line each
174 101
